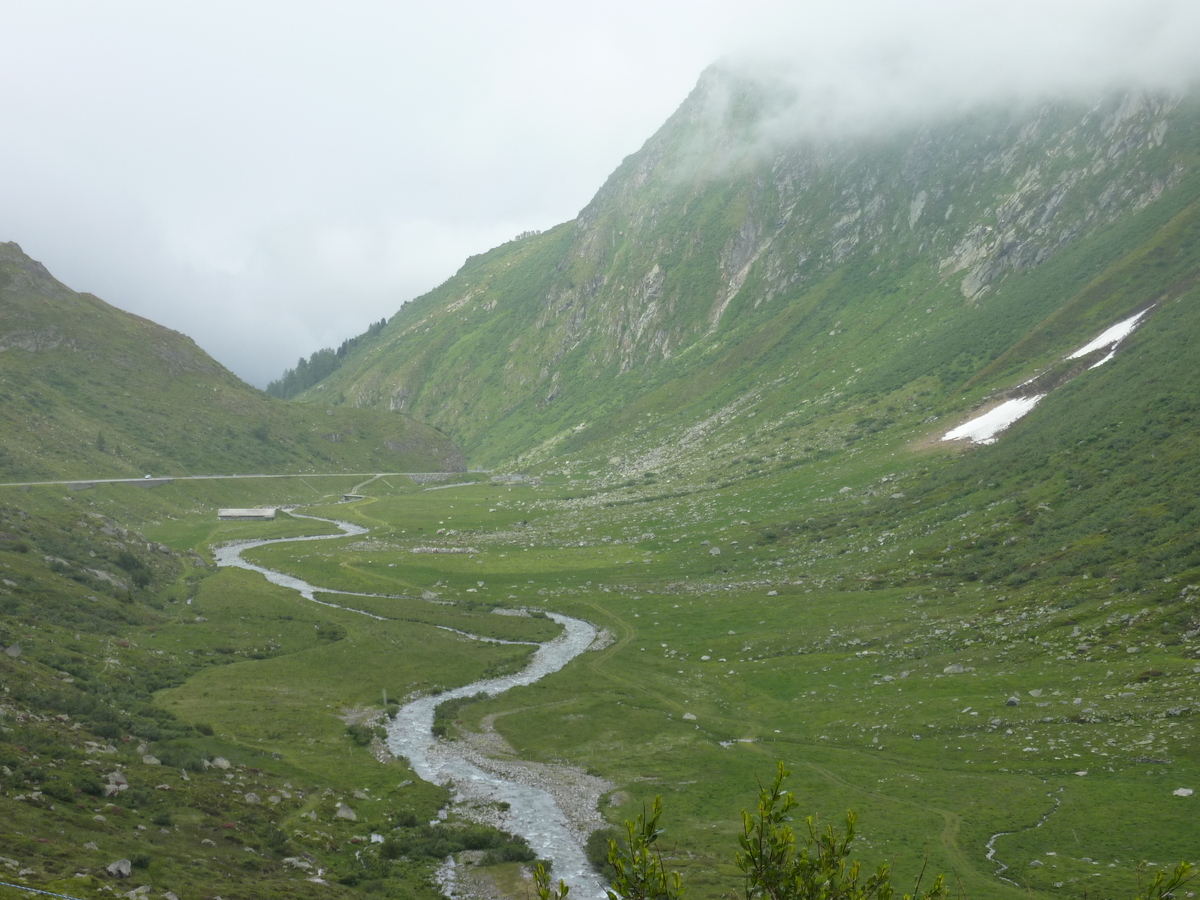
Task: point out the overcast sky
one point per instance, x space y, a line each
271 177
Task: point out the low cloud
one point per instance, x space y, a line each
270 178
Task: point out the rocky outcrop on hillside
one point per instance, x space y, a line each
734 220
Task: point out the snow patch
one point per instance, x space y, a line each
983 429
1110 337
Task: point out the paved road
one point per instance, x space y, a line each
167 479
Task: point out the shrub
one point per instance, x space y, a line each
597 851
89 784
360 734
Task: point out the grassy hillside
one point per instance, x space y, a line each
875 604
733 372
722 261
867 619
105 627
87 390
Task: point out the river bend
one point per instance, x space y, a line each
532 812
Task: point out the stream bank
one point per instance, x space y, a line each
553 806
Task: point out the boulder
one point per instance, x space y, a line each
345 812
252 798
1013 701
122 868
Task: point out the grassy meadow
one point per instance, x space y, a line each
885 695
985 652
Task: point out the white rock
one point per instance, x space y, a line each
122 868
1183 792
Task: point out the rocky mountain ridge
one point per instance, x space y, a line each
719 234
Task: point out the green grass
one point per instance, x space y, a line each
802 677
813 674
90 391
876 599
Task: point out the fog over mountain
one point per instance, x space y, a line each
270 179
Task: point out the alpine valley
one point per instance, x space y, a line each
871 450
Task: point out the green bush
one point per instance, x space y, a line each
597 851
360 734
89 784
60 790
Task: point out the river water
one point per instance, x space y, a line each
532 812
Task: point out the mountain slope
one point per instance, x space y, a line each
733 260
88 390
